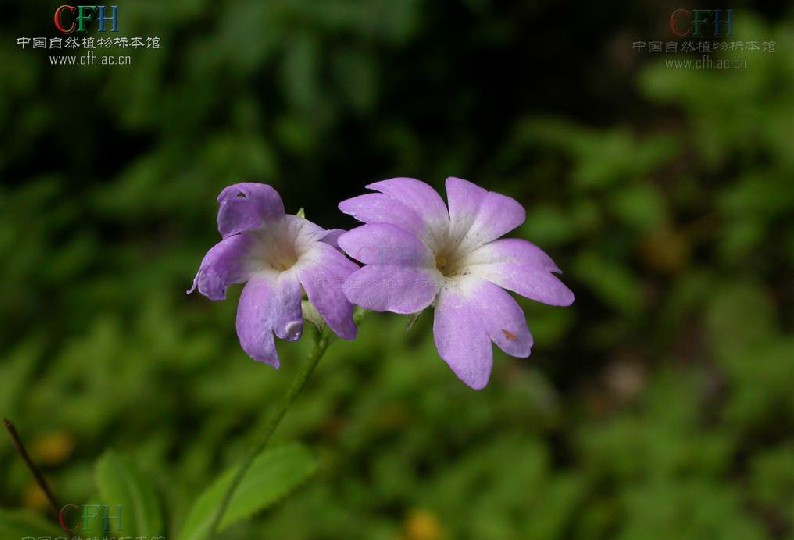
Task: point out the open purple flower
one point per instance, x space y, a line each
279 257
417 253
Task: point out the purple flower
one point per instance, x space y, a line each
416 253
278 257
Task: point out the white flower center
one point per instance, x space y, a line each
279 248
450 263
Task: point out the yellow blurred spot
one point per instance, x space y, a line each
626 379
392 417
34 498
52 448
422 524
665 250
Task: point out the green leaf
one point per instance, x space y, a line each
274 474
18 524
120 483
640 206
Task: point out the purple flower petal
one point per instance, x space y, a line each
399 289
464 199
461 339
331 237
424 201
255 319
286 305
521 267
384 244
478 216
322 278
501 316
223 265
244 207
380 208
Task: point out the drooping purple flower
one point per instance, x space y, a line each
417 253
278 257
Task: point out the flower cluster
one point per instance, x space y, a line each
414 252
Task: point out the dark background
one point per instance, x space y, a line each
658 406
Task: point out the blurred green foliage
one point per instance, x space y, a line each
659 406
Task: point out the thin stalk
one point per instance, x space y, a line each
320 346
37 476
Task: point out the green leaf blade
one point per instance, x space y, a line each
23 524
274 474
120 483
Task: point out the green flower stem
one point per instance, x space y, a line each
320 346
322 341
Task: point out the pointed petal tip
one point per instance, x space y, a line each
399 182
477 383
267 360
522 354
566 298
374 186
458 180
293 331
348 334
